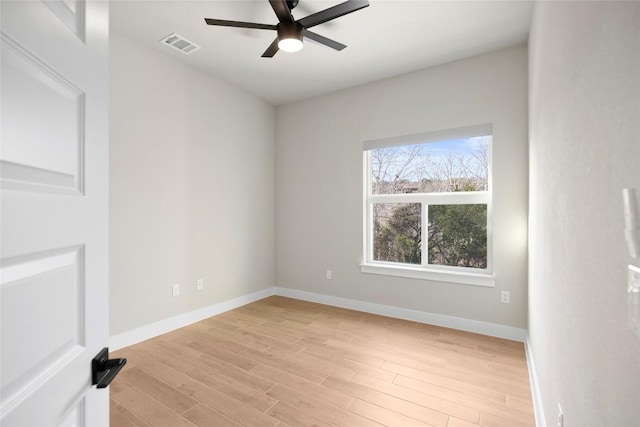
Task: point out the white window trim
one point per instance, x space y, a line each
460 275
417 272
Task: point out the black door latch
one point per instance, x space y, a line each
103 369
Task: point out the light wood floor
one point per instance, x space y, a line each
281 361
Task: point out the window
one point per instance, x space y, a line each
428 206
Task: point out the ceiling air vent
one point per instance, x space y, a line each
180 43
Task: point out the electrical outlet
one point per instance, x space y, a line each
175 290
560 416
505 297
199 284
328 274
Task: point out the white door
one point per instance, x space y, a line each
54 180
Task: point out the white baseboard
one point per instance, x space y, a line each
484 328
146 332
536 397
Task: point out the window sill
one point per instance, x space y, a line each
476 279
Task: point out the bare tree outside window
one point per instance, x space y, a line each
435 167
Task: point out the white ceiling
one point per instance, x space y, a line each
388 38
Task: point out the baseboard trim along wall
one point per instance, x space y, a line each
146 332
536 397
143 333
484 328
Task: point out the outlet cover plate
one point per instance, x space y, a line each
505 297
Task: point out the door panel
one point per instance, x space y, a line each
50 288
54 180
43 127
71 14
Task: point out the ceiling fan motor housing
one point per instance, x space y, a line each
289 30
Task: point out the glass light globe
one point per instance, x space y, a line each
290 44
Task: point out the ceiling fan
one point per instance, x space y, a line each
291 31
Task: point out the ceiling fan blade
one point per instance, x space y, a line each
271 50
323 40
225 23
333 13
282 11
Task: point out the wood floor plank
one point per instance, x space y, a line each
242 376
285 362
520 403
432 401
344 349
255 398
265 341
485 405
210 349
317 365
319 409
345 361
456 422
469 376
301 385
118 386
150 410
477 368
383 416
156 348
147 363
217 323
379 351
202 416
171 344
234 318
157 389
454 384
238 411
209 335
289 364
395 403
492 420
295 417
122 417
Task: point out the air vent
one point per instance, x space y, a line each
180 43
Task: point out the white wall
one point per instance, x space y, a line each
319 182
192 188
584 148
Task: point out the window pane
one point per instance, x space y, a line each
397 232
434 167
458 235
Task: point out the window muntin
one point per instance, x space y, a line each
428 204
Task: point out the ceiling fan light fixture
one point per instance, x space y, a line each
290 37
290 44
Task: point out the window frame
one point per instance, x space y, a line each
426 271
